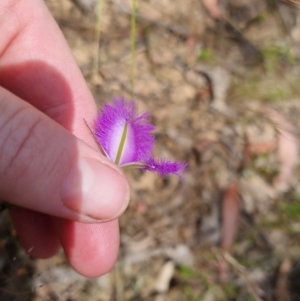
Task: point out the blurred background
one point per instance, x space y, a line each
221 81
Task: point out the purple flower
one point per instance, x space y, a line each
165 167
126 138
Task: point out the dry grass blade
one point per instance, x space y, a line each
296 3
240 269
282 290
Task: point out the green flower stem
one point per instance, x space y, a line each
133 42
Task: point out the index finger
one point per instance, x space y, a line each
37 65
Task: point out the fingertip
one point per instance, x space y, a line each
91 249
96 189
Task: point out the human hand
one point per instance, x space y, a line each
63 187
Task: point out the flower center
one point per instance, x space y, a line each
121 145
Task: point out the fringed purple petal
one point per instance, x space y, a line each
110 126
164 167
127 140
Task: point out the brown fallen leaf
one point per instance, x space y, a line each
287 149
164 278
230 215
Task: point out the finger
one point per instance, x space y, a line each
92 249
42 241
44 168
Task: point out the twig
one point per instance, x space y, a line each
119 283
97 37
244 274
132 45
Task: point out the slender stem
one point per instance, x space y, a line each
100 146
122 144
132 44
97 36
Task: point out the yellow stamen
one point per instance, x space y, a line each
121 145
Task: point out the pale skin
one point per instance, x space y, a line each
65 193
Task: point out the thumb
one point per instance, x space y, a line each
45 168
